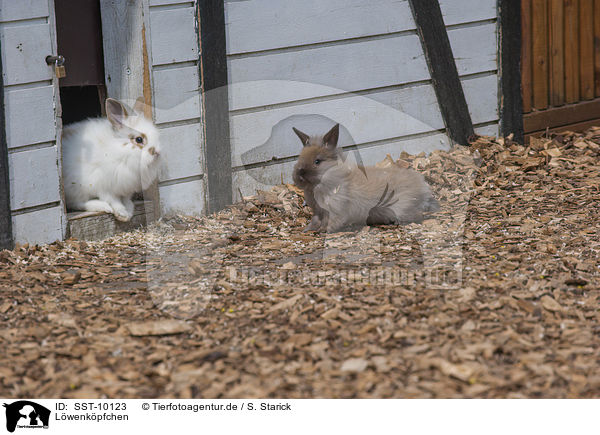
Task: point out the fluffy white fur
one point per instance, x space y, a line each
103 166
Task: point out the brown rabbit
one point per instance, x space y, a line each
342 195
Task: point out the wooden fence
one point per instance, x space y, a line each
560 64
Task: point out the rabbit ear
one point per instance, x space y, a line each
331 137
140 106
115 112
303 136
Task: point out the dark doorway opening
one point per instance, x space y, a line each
79 38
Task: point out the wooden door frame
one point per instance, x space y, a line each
215 103
510 100
6 234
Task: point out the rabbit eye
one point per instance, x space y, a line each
317 161
139 139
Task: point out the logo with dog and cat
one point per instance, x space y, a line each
25 414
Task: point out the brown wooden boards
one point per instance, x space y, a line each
540 53
557 53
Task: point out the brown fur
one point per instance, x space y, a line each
341 195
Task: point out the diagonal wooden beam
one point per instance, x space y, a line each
215 113
440 60
6 236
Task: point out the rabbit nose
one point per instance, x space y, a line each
153 151
301 171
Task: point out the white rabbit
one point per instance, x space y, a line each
106 161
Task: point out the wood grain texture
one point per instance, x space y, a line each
597 47
25 126
122 24
99 226
173 36
215 113
39 227
176 94
586 49
27 47
510 102
527 55
577 127
182 151
184 198
540 53
260 136
557 53
442 67
365 65
33 177
564 115
6 236
571 51
169 2
11 10
258 25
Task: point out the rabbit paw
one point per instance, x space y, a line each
122 214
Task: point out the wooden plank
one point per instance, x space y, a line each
26 47
99 226
597 47
33 177
25 126
122 24
258 25
577 127
6 235
58 124
183 198
475 48
215 109
260 136
182 151
173 36
481 94
168 2
468 11
366 65
150 194
38 227
488 130
442 67
526 55
510 102
176 94
571 51
557 53
569 114
11 10
540 53
586 49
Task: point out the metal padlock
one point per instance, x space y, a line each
59 65
59 70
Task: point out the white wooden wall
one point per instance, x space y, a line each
174 54
27 32
310 63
